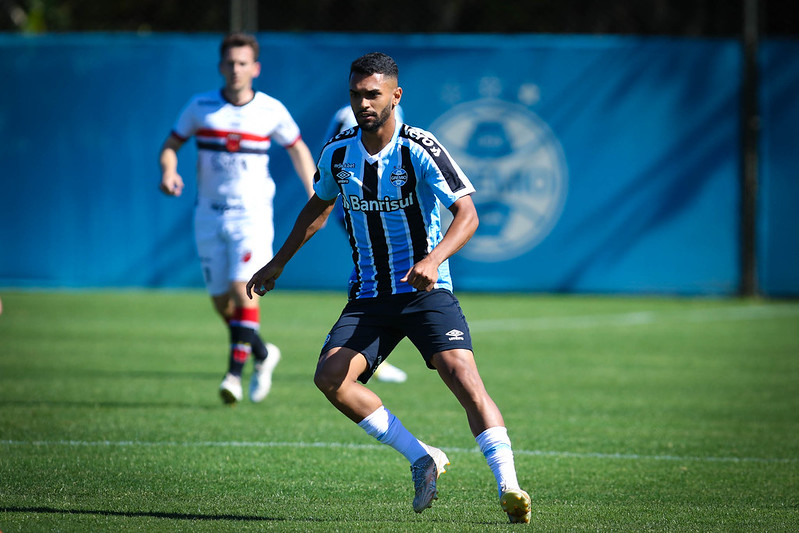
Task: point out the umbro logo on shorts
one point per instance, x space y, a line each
454 335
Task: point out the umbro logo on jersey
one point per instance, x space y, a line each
343 177
454 335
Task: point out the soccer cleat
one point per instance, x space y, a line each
230 389
425 472
389 373
516 503
261 380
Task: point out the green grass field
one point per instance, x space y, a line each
626 414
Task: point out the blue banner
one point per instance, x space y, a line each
602 164
778 227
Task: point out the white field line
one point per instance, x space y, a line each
639 318
542 453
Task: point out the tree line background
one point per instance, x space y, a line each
714 18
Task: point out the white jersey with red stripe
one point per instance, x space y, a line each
232 147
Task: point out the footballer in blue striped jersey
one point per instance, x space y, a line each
391 204
391 178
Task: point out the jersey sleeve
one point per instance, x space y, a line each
448 182
286 131
186 124
325 185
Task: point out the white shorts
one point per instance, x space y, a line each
232 244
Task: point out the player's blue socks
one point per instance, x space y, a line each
387 428
494 444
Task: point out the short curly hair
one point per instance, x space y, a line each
375 63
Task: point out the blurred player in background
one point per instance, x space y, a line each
391 178
343 120
233 219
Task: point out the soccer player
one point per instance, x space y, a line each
343 120
391 177
233 223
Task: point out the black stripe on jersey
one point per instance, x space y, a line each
346 134
437 153
413 213
377 233
222 148
336 161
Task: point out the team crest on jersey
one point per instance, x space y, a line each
398 177
233 142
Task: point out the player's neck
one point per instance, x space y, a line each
238 97
374 141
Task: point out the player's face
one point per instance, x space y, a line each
239 67
373 99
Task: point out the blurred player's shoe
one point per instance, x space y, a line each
230 389
516 503
425 472
390 373
261 380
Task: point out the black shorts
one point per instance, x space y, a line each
433 321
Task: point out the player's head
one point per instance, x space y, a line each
237 40
375 63
374 90
238 61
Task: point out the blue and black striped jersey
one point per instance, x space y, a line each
391 204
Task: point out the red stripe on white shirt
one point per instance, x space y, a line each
205 132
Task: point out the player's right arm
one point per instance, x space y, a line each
312 217
171 182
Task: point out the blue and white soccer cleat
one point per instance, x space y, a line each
425 472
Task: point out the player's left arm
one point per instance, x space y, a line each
424 274
303 163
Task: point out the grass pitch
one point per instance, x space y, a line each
626 414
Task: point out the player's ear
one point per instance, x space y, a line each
397 95
257 69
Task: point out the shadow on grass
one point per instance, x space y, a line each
114 404
188 516
88 373
134 514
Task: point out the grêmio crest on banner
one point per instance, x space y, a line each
515 162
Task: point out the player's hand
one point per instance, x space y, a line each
264 280
422 276
171 184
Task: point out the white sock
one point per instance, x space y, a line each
387 428
495 446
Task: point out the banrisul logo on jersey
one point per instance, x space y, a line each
516 163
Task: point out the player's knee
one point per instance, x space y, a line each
326 379
322 381
454 362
